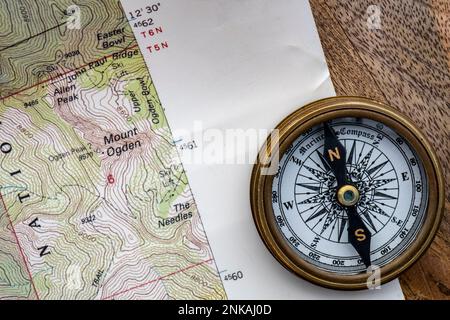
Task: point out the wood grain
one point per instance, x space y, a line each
406 64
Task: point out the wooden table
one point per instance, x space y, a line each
402 59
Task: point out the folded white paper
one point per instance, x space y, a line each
245 65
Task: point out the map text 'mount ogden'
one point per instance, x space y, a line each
127 146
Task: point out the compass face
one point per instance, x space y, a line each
393 195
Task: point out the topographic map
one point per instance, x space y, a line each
95 203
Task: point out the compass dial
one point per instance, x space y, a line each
384 169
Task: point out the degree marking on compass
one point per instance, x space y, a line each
352 151
376 209
382 174
366 159
369 211
384 195
318 166
373 162
360 154
318 174
316 214
376 183
333 227
384 204
328 220
377 168
302 175
310 187
369 220
343 223
322 159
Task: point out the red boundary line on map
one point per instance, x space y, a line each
158 279
64 73
20 247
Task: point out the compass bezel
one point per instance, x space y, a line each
312 115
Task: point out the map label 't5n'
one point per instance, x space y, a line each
157 46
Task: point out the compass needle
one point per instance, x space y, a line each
347 194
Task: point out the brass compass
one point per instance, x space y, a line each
357 188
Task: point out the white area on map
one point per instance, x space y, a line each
240 64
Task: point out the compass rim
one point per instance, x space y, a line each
307 117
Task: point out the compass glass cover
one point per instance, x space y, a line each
393 195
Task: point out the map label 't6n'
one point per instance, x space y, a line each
125 146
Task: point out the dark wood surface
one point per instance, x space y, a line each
406 64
